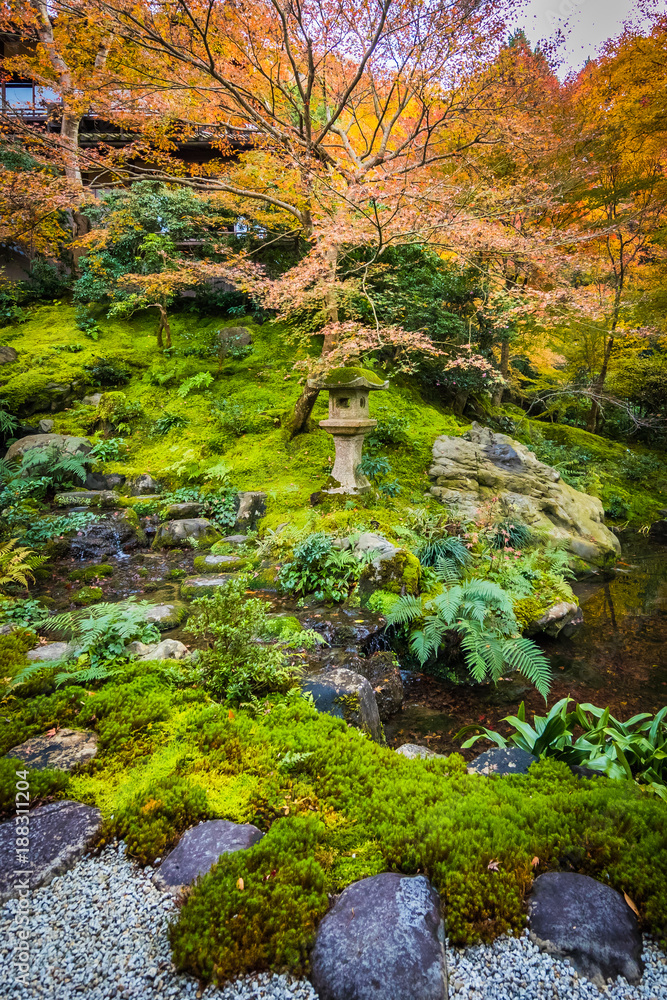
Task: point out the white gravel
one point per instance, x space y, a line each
515 969
99 932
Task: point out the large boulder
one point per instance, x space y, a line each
658 531
348 696
392 569
62 751
251 508
60 833
192 532
63 443
563 617
231 338
576 917
200 847
115 534
143 485
383 938
104 480
470 470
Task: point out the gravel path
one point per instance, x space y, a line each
515 969
98 932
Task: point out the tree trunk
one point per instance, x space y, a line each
163 325
302 410
460 401
497 396
594 414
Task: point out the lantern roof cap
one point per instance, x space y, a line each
349 378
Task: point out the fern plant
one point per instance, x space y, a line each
52 464
17 564
482 614
98 638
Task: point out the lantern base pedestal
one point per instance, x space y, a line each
345 476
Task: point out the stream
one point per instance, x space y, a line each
618 657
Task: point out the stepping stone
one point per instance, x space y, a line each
166 616
60 833
510 761
348 696
51 651
382 939
414 752
168 649
576 917
200 847
62 751
219 564
203 586
235 539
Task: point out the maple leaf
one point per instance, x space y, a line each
493 866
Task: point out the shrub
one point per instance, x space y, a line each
235 665
256 909
155 819
317 567
108 373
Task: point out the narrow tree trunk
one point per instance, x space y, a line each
302 410
497 396
594 414
460 401
163 325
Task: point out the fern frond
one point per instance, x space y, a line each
32 668
447 570
523 655
406 609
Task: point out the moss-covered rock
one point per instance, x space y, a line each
196 532
202 586
91 573
167 616
219 564
88 595
399 574
265 578
343 376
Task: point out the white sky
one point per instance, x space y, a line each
585 24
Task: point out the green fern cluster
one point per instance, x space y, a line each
482 614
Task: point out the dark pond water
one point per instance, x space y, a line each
618 657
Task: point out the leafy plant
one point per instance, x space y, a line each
46 528
510 534
233 417
98 636
320 568
60 468
633 749
107 450
482 615
449 554
236 665
17 564
169 421
108 373
8 422
199 381
22 613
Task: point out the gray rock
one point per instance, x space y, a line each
64 443
414 752
200 847
52 651
233 336
576 917
658 531
203 586
369 542
186 533
184 510
510 761
46 426
104 481
60 832
167 649
235 539
7 355
93 399
384 676
166 616
62 751
348 696
382 940
143 485
563 617
86 498
251 507
467 471
219 564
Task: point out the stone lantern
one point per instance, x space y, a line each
348 423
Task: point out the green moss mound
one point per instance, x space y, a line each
153 820
45 784
91 573
267 902
341 376
88 595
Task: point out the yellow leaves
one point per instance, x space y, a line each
240 884
631 904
